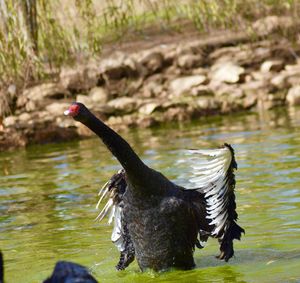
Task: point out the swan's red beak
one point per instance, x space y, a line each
72 111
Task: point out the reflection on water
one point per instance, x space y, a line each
48 196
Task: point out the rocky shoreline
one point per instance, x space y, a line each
170 82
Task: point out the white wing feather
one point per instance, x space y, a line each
210 177
117 235
113 209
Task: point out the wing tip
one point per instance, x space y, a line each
233 161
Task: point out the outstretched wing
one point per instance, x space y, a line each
214 177
114 190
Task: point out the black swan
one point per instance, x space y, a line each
69 272
156 221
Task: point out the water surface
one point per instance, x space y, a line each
48 195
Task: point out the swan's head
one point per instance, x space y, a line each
77 110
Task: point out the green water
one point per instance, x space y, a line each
48 195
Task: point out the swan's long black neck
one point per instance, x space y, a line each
135 169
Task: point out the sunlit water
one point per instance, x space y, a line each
48 195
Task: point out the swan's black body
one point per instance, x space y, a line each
163 225
160 220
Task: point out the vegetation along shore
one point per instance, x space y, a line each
143 81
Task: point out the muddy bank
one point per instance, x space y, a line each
168 82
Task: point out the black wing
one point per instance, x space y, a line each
114 189
213 176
